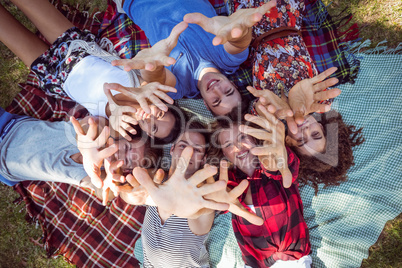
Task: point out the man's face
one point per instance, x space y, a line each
195 140
131 152
219 94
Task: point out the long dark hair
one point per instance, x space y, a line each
331 169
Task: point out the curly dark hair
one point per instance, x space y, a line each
331 168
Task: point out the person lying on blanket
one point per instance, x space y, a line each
75 66
271 170
197 61
181 236
284 76
58 157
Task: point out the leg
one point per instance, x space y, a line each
49 21
26 45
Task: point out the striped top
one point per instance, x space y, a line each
171 244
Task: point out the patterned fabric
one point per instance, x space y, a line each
328 41
280 63
52 67
76 224
284 234
327 44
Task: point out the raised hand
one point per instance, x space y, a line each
135 194
90 144
304 97
272 154
274 104
158 55
179 196
122 116
231 196
154 92
113 177
235 28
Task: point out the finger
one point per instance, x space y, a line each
321 108
283 113
292 126
124 133
127 126
93 129
239 189
215 206
286 177
142 176
269 116
129 64
158 103
218 40
262 150
159 176
117 87
129 120
266 7
109 151
167 61
77 126
325 84
299 117
328 94
128 109
253 91
132 180
260 134
266 124
108 94
105 195
203 174
244 213
211 188
166 88
197 18
144 105
124 188
176 31
323 75
184 161
223 171
237 31
164 96
103 136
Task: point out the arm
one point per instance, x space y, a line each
152 60
235 31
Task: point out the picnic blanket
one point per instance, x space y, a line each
74 224
345 220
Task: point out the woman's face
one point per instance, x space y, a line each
309 139
157 124
236 147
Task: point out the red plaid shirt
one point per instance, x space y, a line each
284 234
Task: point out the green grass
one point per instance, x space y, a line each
378 19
